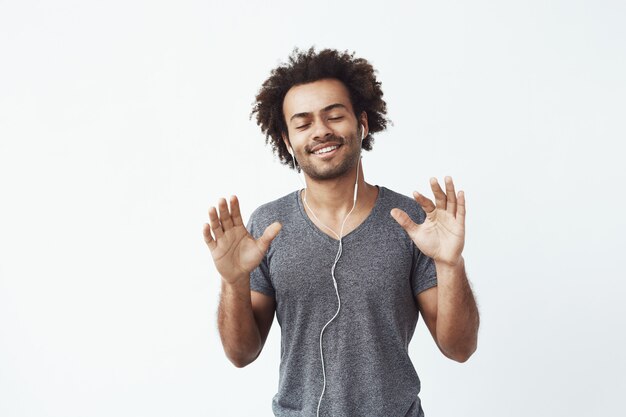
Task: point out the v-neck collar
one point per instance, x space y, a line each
373 212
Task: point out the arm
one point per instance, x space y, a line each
449 310
450 313
244 320
244 316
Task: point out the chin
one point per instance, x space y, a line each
339 171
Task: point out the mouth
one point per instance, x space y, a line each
327 151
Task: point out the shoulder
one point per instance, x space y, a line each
277 210
281 205
392 199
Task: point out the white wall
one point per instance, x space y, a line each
121 122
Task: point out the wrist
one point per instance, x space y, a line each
236 282
456 265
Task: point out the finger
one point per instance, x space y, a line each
426 203
208 239
451 194
404 220
440 196
235 213
460 213
216 227
269 234
227 222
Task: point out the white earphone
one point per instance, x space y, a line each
339 236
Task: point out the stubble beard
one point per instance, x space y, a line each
322 170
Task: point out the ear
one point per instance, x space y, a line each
286 140
363 121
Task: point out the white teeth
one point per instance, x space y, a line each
327 149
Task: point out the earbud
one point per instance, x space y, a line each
362 132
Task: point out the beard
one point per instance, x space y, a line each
326 170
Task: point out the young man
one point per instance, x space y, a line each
345 265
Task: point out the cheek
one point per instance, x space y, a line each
297 144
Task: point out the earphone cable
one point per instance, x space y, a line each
339 252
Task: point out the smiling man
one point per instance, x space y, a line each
346 266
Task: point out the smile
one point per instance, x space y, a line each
327 150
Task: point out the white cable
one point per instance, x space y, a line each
332 272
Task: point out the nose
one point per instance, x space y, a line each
321 130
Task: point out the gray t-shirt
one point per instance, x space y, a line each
368 369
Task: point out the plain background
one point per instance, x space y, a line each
121 122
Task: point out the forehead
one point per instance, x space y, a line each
312 97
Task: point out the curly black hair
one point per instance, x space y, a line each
357 74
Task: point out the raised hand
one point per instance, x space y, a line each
235 252
442 235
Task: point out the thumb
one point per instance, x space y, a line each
263 243
404 220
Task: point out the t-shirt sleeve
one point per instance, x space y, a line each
260 277
423 273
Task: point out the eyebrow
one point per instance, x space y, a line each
325 109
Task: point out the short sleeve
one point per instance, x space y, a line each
260 277
423 272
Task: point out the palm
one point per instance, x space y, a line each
235 252
442 234
238 250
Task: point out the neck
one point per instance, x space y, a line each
336 196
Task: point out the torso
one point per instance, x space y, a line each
367 367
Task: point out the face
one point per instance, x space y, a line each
323 130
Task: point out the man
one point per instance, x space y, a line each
345 265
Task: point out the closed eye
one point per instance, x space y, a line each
303 126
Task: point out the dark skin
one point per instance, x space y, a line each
320 115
